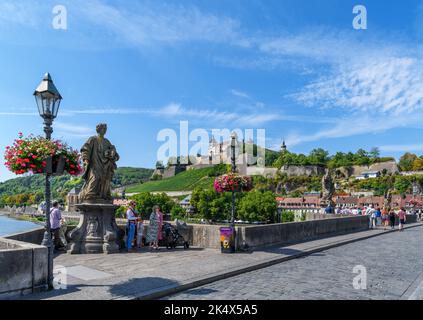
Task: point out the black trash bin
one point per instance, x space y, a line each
227 239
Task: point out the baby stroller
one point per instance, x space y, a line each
173 238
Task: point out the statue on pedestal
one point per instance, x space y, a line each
328 190
100 158
97 231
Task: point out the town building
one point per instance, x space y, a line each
72 199
368 175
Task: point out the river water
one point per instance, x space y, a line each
10 226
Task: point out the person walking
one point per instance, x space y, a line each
392 218
131 216
55 224
402 217
385 217
154 234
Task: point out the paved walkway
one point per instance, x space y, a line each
393 264
147 275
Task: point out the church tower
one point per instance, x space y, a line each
283 147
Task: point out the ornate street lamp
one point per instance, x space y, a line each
48 101
233 161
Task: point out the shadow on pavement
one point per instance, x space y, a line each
200 291
126 290
134 287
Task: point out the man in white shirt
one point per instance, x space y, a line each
371 213
55 224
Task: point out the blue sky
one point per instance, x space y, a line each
295 68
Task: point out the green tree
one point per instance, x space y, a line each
375 153
318 157
362 158
418 164
406 161
146 201
287 216
257 206
177 212
403 184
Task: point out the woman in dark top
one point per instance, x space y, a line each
392 218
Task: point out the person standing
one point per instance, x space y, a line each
55 221
392 218
378 216
402 216
131 225
140 232
370 212
154 234
385 217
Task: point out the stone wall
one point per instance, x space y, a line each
294 171
23 268
34 236
294 232
390 166
206 236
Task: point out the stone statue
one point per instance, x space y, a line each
328 189
97 231
100 158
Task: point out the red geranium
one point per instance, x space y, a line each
232 182
30 154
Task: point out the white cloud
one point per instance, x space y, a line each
145 24
402 148
240 94
22 13
72 130
363 124
391 85
26 114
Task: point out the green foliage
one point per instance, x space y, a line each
121 212
321 157
287 216
318 157
212 205
128 176
177 212
257 206
187 180
398 184
34 185
156 177
146 201
403 184
406 161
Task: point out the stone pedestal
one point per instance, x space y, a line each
97 231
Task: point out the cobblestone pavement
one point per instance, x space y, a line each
394 264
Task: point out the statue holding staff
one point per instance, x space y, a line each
100 158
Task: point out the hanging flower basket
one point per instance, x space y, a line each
232 182
38 155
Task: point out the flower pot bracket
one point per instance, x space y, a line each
53 167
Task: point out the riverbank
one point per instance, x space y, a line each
9 225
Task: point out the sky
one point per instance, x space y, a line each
296 68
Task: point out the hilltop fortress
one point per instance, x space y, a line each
219 152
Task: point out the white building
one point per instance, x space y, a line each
368 175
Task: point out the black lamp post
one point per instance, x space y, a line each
48 101
233 162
